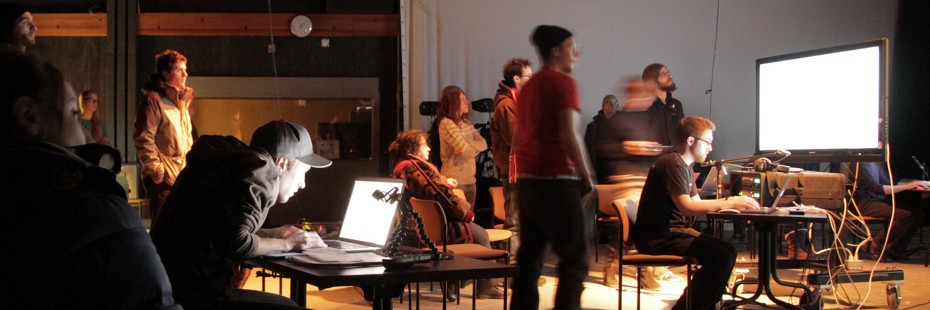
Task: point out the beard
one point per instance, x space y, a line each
670 87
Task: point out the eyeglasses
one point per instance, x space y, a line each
710 142
667 73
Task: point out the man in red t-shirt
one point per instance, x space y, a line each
553 174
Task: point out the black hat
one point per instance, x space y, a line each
283 139
9 14
546 37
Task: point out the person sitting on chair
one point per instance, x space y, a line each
873 190
668 196
410 153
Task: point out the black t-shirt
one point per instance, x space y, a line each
669 177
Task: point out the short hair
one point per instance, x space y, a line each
545 37
693 126
608 97
166 60
449 102
24 75
407 142
651 72
513 67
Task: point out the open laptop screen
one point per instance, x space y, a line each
369 219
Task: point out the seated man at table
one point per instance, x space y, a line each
212 219
668 196
873 194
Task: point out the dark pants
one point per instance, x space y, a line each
907 221
512 222
156 193
551 213
716 257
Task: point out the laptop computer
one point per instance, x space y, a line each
709 187
774 206
366 225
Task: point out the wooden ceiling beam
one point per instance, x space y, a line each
70 24
257 24
220 24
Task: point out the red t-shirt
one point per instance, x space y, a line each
538 147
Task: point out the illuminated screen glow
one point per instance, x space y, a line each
821 102
368 219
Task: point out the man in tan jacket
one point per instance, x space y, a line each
163 130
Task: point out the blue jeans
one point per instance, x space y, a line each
551 214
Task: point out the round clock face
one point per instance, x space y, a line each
301 26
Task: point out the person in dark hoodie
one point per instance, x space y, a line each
212 220
596 127
70 236
163 131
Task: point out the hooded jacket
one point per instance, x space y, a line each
208 224
163 131
70 230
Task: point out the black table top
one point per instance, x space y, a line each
457 268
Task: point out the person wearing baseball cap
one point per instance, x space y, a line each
17 27
212 219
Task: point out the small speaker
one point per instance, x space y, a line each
428 108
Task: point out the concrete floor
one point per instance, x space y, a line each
915 291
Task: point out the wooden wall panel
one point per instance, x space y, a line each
256 24
70 24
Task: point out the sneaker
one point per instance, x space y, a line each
671 276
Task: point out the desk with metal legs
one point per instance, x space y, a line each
766 226
380 279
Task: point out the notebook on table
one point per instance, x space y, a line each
366 225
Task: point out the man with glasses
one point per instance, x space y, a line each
665 112
668 196
517 71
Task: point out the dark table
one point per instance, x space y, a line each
765 227
380 279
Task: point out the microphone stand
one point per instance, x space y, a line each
406 211
721 169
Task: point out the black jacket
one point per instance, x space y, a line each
71 240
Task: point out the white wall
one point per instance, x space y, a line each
465 43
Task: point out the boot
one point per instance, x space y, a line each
794 252
612 273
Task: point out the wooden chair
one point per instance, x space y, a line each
437 228
606 194
623 207
498 233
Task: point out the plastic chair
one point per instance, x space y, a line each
437 228
622 208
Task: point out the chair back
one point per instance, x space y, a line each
623 207
434 220
497 196
607 193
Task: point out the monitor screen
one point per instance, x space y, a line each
824 105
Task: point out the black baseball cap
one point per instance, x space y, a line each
283 139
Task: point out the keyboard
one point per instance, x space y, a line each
348 246
762 210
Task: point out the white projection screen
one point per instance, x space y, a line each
824 105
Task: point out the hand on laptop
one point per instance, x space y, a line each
314 240
743 203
